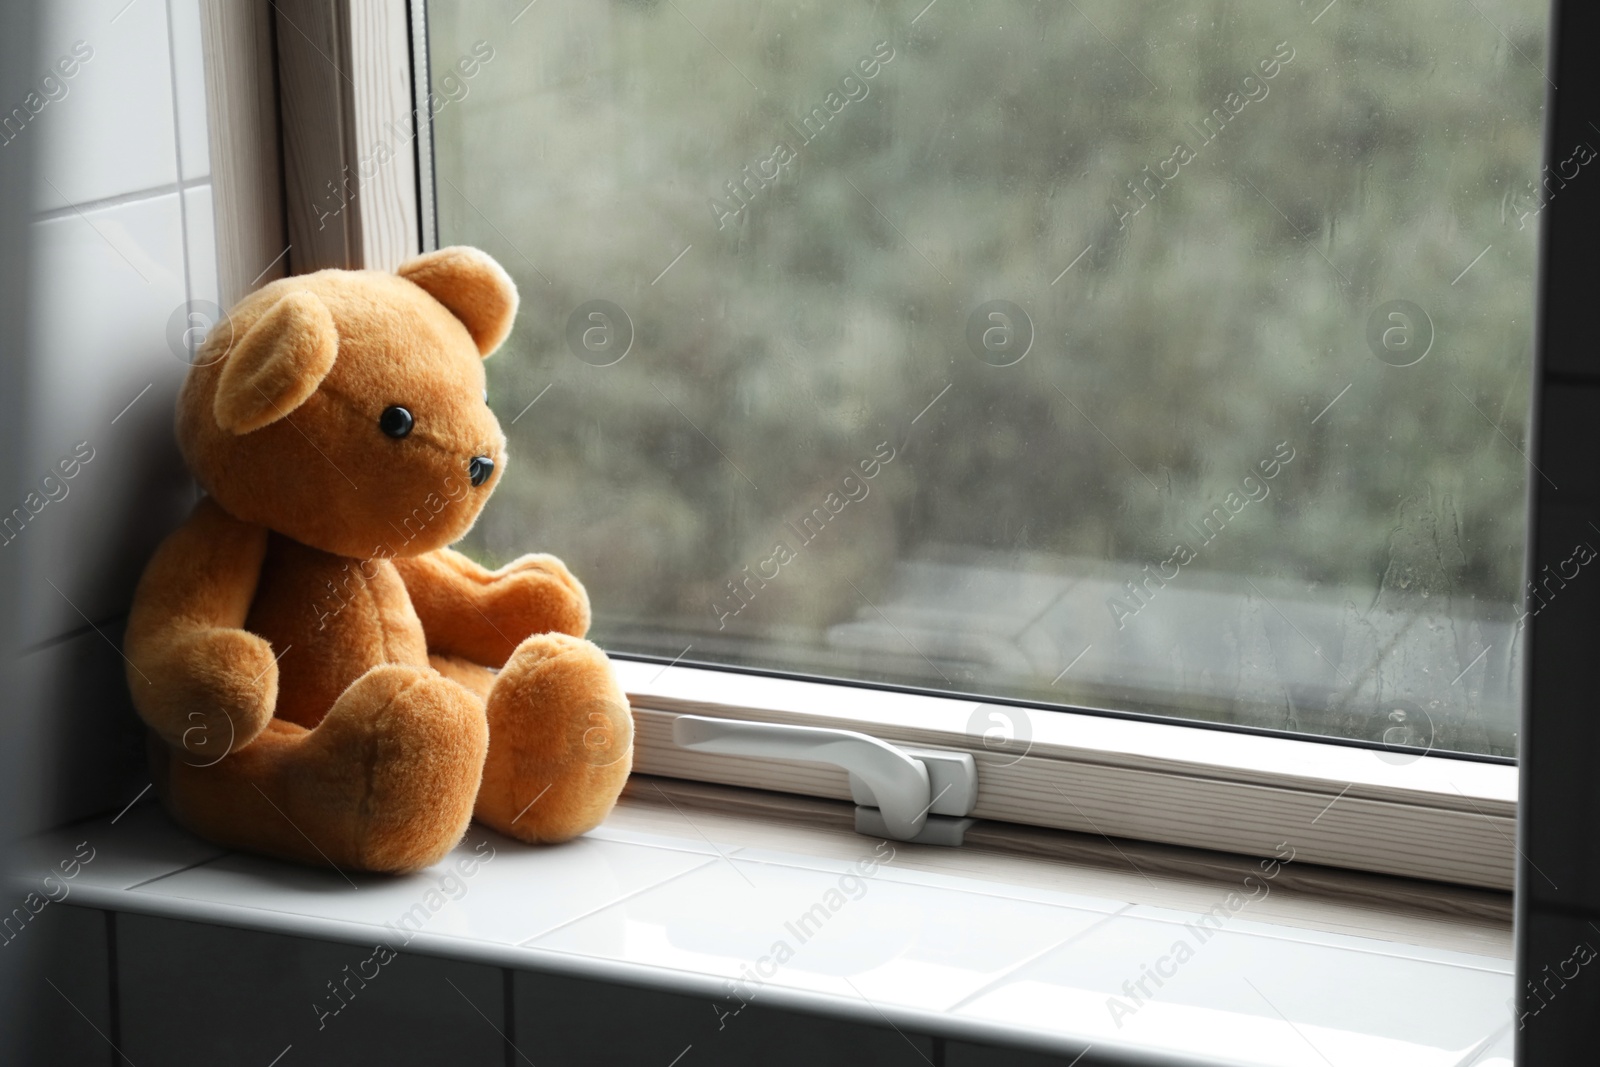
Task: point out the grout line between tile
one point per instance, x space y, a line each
1301 940
1476 1052
60 639
796 865
651 844
296 931
180 870
177 153
71 210
527 941
113 981
1005 976
508 1012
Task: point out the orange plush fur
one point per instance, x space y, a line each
324 679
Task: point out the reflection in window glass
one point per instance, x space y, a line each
1160 358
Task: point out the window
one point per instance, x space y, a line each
1040 381
1167 361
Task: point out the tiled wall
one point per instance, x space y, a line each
177 993
123 240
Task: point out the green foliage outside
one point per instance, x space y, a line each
804 327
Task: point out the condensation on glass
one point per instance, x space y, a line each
1160 358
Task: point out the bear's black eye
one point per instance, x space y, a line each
396 421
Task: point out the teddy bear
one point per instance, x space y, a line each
323 679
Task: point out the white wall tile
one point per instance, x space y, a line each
86 742
110 282
1219 991
486 879
202 243
189 74
134 844
851 936
112 132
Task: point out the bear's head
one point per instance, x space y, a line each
347 410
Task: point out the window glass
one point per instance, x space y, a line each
1157 358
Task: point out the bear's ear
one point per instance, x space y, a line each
277 364
472 287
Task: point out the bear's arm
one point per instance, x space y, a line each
483 615
198 679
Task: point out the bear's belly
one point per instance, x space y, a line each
330 619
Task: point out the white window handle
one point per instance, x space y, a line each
895 788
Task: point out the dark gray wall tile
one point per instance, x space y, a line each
570 1021
66 998
1559 990
204 995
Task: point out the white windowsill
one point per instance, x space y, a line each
990 947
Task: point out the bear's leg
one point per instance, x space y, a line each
560 741
386 782
474 676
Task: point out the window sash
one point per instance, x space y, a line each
1432 817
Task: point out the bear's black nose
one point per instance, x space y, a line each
479 469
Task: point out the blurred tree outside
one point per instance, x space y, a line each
1205 258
